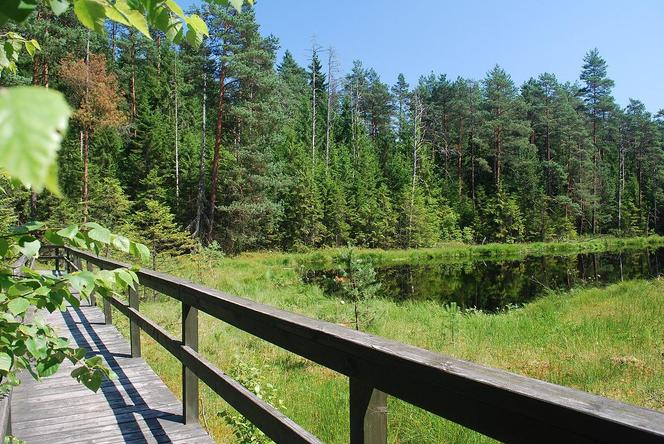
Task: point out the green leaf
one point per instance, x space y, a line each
93 382
121 243
4 246
113 13
125 278
237 4
81 280
174 31
140 251
18 306
33 121
69 232
100 234
18 10
27 227
31 249
132 17
37 347
198 24
30 47
5 361
71 299
93 361
194 38
53 237
59 7
48 367
91 14
175 8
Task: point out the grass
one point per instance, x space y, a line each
606 341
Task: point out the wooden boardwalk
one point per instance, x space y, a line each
135 408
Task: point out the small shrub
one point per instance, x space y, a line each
254 379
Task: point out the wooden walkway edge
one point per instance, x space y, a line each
135 408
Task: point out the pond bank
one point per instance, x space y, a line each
460 252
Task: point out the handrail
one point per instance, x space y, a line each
494 402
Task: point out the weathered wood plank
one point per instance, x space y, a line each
189 379
368 414
136 407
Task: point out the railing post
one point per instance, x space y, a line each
57 261
368 414
93 298
66 260
134 329
189 380
108 314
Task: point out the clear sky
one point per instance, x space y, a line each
467 37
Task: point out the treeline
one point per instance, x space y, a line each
226 145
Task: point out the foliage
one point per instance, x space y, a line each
22 107
94 89
32 344
257 381
155 225
375 165
356 282
33 122
35 118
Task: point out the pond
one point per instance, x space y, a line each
493 285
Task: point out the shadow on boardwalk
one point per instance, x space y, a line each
135 408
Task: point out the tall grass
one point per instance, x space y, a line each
607 341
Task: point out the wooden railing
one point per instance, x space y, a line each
497 403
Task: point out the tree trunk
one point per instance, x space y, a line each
132 81
201 167
217 142
329 109
460 158
313 115
86 138
621 184
177 135
114 28
158 44
45 79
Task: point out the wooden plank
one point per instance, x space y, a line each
494 402
93 297
189 379
134 330
135 407
368 413
69 419
188 435
5 416
108 313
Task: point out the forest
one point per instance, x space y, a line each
224 145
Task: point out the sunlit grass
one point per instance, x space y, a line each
606 341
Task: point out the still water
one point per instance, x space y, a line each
492 285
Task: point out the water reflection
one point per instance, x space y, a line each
491 285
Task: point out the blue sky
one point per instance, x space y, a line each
467 37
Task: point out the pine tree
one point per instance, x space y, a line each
596 94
